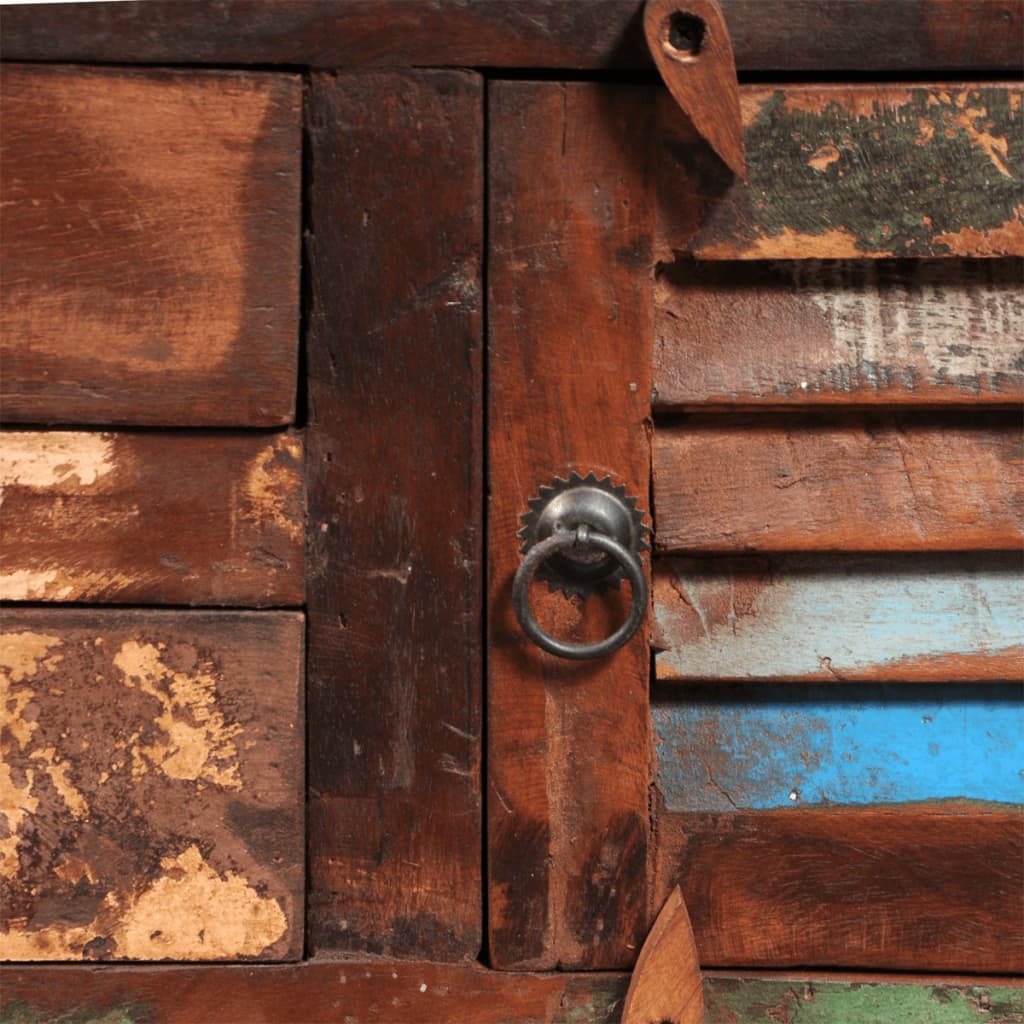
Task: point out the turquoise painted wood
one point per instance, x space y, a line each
755 747
843 617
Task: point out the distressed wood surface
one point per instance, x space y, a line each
156 518
830 618
850 171
900 36
149 258
874 483
908 888
421 993
395 470
570 337
152 784
812 332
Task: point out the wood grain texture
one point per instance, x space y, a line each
153 785
934 888
816 484
152 518
807 332
421 993
899 36
850 171
859 618
396 506
150 253
570 335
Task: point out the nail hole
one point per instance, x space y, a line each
686 33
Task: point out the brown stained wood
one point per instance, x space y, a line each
152 783
814 484
394 463
825 36
901 888
839 332
570 330
850 171
149 260
155 518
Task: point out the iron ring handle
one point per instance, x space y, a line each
539 554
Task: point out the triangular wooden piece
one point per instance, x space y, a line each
665 987
690 44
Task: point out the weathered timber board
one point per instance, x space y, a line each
153 785
570 341
396 507
839 331
156 518
779 35
933 888
810 483
732 748
844 172
149 262
833 618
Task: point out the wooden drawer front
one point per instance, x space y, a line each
150 250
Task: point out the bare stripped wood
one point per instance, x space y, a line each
152 778
784 35
396 507
149 259
815 484
152 518
932 887
428 993
850 171
570 383
804 618
837 332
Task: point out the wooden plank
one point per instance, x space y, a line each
818 484
901 36
396 507
803 618
150 253
807 332
570 332
851 171
934 888
427 993
732 748
152 518
153 781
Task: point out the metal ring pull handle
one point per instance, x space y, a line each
561 540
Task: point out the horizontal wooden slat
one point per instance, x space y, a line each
932 889
830 618
848 171
817 484
150 255
152 783
154 518
811 332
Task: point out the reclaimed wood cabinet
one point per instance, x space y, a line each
302 304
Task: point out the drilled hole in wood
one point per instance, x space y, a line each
685 34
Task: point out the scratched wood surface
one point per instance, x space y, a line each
834 618
815 483
913 887
150 252
426 993
898 36
152 783
839 331
570 336
395 470
158 518
850 171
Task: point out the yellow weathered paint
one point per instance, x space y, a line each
48 459
268 487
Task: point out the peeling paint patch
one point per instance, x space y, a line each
54 459
271 487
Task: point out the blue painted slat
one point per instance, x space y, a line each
764 746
